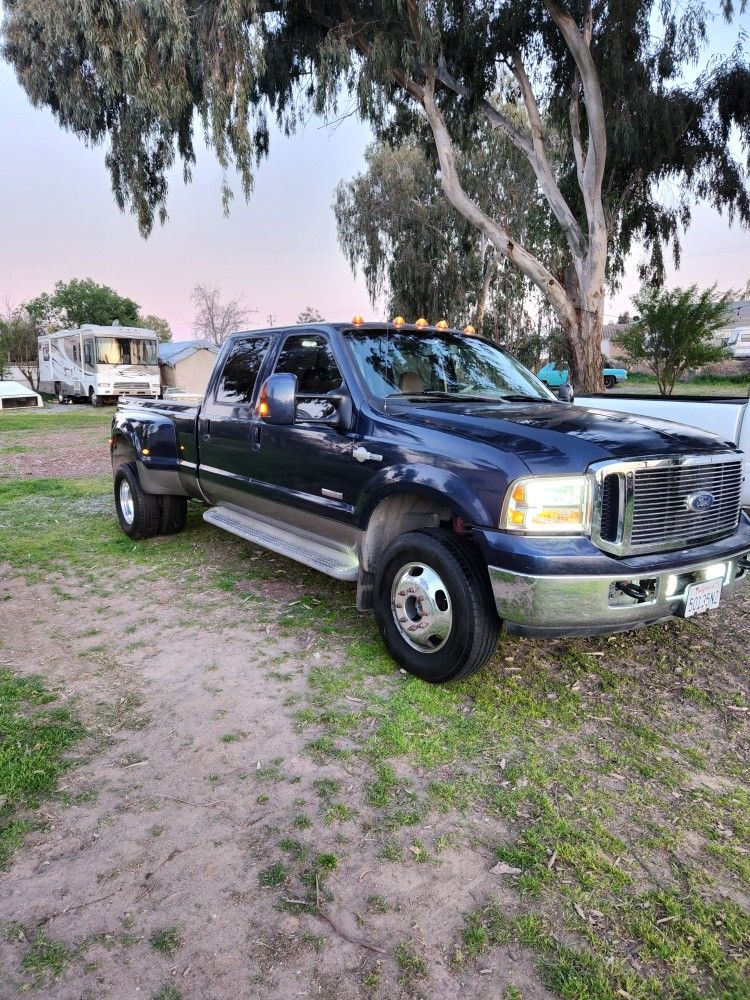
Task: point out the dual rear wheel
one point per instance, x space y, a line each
142 515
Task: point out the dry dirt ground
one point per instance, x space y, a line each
264 807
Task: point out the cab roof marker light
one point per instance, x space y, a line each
442 324
398 321
470 329
357 320
421 322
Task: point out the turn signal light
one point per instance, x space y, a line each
263 408
145 451
357 320
398 320
442 324
421 322
470 329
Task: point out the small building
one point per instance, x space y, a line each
14 394
186 365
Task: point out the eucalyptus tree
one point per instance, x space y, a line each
609 117
395 224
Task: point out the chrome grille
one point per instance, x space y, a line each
140 387
650 498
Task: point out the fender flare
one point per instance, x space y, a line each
429 481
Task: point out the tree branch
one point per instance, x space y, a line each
496 232
540 163
575 128
579 41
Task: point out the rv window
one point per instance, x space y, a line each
125 351
88 353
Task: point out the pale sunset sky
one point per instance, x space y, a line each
279 252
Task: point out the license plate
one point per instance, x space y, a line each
704 596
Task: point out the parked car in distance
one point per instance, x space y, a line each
726 417
555 375
431 468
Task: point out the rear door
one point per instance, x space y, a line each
305 467
228 422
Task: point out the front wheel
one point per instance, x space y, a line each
434 607
609 381
139 513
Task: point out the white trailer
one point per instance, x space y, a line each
99 363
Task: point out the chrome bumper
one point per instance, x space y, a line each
590 605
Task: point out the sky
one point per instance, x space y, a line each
278 252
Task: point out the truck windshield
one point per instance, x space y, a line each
125 351
442 364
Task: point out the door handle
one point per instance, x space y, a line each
206 435
361 454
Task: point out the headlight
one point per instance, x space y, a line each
549 505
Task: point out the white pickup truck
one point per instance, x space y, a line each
726 417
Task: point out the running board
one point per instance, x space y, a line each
319 553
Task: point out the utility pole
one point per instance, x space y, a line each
271 319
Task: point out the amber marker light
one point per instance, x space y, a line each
470 329
398 321
145 451
421 322
357 320
442 324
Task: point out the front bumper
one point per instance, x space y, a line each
591 605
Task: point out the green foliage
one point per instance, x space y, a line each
80 301
160 326
675 331
167 940
34 737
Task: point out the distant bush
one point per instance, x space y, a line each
741 378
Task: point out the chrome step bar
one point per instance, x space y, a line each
328 557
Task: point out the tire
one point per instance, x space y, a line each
609 381
139 513
462 609
173 515
59 392
93 398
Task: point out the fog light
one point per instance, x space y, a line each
715 571
670 588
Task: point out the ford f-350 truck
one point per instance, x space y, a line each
431 468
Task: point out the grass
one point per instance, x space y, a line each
167 940
35 735
609 772
45 421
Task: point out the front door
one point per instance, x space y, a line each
228 424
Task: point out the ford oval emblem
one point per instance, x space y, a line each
703 500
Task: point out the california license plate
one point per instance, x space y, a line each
704 596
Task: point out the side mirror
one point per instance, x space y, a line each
565 393
278 399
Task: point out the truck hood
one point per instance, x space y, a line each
552 436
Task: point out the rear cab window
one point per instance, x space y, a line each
241 369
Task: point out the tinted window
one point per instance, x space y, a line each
309 357
241 371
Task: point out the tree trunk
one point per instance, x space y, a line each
584 336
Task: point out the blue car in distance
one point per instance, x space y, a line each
554 376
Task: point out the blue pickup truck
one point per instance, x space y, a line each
433 470
555 375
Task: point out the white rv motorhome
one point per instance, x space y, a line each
99 363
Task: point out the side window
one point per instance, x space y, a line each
88 353
310 358
241 370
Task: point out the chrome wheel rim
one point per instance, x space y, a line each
421 607
127 506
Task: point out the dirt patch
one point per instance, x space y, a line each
195 775
63 454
